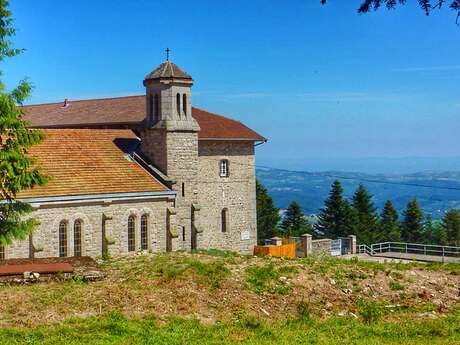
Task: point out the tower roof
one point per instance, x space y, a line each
168 70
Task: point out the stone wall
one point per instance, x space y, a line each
46 235
237 193
321 247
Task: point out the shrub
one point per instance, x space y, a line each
370 311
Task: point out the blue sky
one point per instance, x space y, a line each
327 86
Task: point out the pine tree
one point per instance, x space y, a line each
429 230
389 223
412 226
451 225
365 220
294 223
17 170
334 217
267 214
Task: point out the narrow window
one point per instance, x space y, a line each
151 110
131 234
224 220
183 233
157 107
223 168
144 232
183 189
77 238
2 252
63 238
184 103
178 104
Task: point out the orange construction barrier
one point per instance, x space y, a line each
285 250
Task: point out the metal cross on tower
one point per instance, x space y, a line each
167 54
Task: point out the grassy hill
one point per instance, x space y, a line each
222 298
310 189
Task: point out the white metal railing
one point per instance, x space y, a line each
410 248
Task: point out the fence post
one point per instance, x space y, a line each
442 254
352 239
307 244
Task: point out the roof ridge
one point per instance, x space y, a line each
83 100
214 114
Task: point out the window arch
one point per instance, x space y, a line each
156 115
144 232
224 220
77 225
63 238
178 104
131 234
223 168
184 104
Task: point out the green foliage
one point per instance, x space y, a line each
395 285
267 279
412 226
294 223
304 311
370 311
389 223
333 220
451 225
267 214
364 221
426 5
17 170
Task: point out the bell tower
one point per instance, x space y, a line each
170 141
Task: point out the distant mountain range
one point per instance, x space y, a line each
436 191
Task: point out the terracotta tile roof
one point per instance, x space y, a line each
215 126
128 111
167 70
90 161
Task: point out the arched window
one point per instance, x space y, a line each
2 252
151 110
157 108
144 232
178 104
184 104
63 238
223 168
224 220
131 234
77 237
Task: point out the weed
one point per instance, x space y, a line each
304 311
396 286
370 311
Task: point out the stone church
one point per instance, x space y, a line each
140 173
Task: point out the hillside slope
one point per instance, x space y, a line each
234 299
310 189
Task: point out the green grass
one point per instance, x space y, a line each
269 278
114 329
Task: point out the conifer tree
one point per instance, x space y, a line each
267 214
17 170
334 217
389 223
365 220
451 225
412 226
429 230
294 222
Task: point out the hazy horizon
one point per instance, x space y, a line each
367 165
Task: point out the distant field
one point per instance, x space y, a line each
217 297
311 189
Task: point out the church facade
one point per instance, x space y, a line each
140 173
